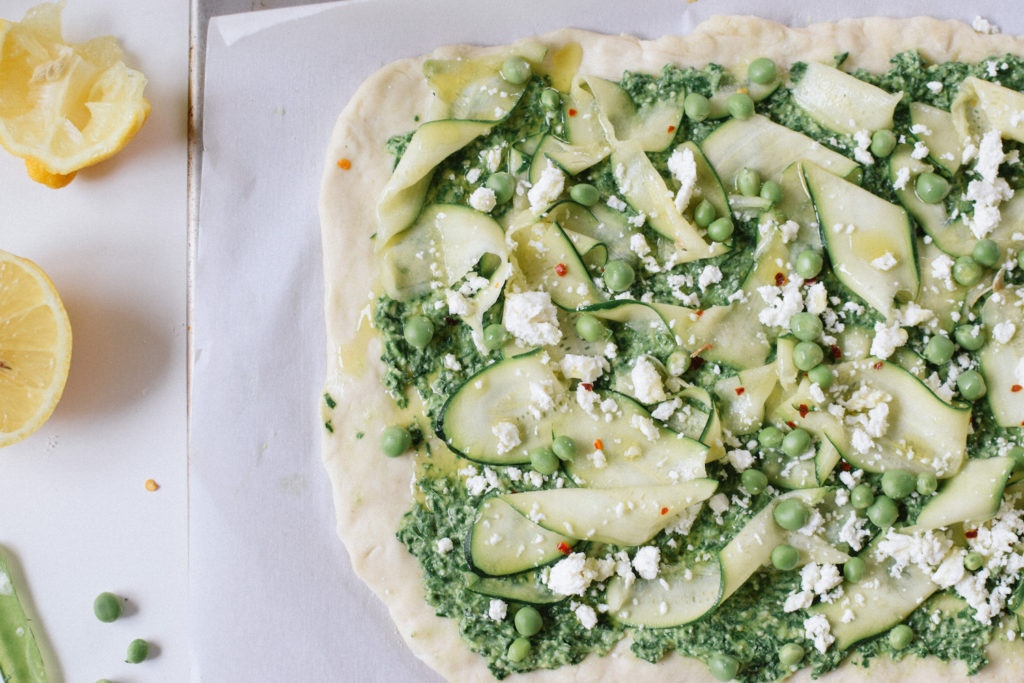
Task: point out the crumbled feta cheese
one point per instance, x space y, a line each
789 231
444 545
709 276
497 610
782 303
816 299
665 410
532 319
507 434
473 175
989 190
913 314
819 631
583 368
797 601
483 199
547 189
920 150
616 203
451 362
902 178
683 167
887 339
646 562
740 459
885 262
1003 332
934 86
983 25
458 304
860 152
572 575
942 269
647 384
586 616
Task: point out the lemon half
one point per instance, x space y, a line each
64 107
35 348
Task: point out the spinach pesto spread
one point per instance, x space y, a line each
718 362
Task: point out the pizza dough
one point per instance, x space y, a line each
371 492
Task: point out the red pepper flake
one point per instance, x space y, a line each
587 386
699 312
671 129
878 365
151 485
572 112
971 533
836 352
803 409
696 363
791 424
598 445
780 279
706 347
845 467
344 164
1015 388
664 511
561 269
739 391
563 548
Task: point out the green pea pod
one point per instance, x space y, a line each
20 660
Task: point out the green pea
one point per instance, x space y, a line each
790 655
927 483
939 350
677 363
973 561
791 514
785 557
696 106
853 569
748 182
544 460
495 336
821 375
518 650
488 264
723 667
796 442
862 496
883 142
550 99
1017 454
138 650
966 271
618 276
771 191
585 194
987 253
418 331
883 512
740 105
590 328
971 385
931 187
515 70
754 481
720 229
704 214
107 606
898 484
770 437
564 448
528 621
807 354
762 71
805 326
809 263
395 440
900 636
970 337
502 184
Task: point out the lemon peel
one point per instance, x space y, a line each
35 348
64 106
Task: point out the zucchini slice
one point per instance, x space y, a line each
572 159
498 394
945 146
708 185
981 105
761 144
474 89
526 588
843 103
626 516
548 260
876 258
502 540
599 223
646 191
973 495
720 98
1003 364
886 603
652 127
743 396
683 593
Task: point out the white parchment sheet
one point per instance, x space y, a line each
272 597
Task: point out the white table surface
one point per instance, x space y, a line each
115 242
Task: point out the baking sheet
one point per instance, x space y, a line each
272 596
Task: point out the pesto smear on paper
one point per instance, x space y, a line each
777 619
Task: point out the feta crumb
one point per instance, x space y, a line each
444 545
451 362
1003 332
507 434
887 339
473 175
647 384
885 262
483 199
983 25
646 562
902 178
861 152
616 203
709 276
497 610
583 368
934 86
740 459
683 167
819 631
547 189
532 319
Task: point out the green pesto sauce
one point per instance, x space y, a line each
750 626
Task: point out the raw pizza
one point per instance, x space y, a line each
695 359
